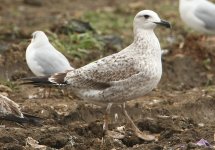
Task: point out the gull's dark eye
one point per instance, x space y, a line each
146 16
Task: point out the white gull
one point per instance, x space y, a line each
43 59
198 15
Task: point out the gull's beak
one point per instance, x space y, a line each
163 23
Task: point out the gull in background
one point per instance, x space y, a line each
43 59
10 111
198 15
120 77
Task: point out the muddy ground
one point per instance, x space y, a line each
180 111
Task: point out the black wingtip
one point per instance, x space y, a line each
43 80
56 79
33 119
30 119
37 79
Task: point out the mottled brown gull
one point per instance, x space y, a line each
9 110
123 76
43 59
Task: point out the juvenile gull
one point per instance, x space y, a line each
9 110
198 15
123 76
42 58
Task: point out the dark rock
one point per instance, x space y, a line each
7 139
54 140
132 140
150 125
112 42
73 26
192 145
33 2
3 47
96 129
73 116
10 146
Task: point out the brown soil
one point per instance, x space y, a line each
180 111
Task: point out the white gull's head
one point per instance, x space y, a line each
148 20
39 37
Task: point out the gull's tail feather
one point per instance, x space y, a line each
26 119
56 79
37 81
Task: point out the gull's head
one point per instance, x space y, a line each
148 20
39 37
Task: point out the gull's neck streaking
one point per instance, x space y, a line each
147 38
143 34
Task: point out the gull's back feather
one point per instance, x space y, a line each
205 11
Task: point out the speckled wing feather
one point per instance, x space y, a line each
102 73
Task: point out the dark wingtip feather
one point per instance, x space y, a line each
27 119
36 80
33 119
56 79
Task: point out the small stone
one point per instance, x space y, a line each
4 94
201 124
54 129
4 88
192 145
